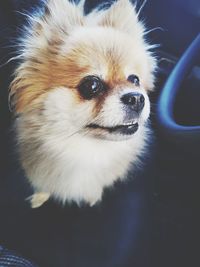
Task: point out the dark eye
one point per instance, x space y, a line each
134 79
91 86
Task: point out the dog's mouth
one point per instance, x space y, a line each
124 129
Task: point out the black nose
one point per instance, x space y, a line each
134 100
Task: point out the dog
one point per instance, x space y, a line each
80 98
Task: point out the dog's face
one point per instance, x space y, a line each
86 75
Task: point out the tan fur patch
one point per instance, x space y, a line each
36 77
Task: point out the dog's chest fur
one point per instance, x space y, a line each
78 169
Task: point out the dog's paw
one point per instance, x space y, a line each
38 199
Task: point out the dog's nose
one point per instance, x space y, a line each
134 100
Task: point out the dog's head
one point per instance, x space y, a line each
86 75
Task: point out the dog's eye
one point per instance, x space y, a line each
134 79
91 86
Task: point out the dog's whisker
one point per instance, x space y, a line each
9 46
10 60
24 14
74 133
154 29
152 47
141 8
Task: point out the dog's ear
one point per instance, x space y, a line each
41 41
59 16
122 16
